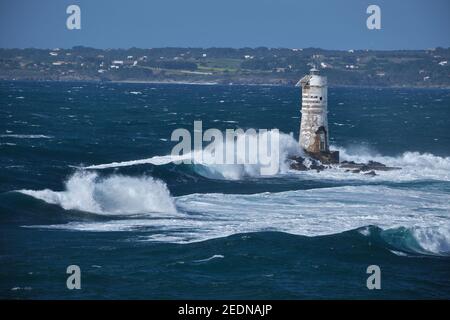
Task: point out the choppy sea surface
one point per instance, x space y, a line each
86 178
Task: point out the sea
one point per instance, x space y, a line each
88 179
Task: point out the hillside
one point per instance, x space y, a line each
409 68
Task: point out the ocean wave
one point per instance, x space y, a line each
156 160
214 169
414 165
432 240
287 146
25 136
313 212
113 195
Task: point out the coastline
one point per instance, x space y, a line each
216 83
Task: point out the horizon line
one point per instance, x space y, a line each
224 47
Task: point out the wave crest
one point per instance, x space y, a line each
116 194
239 150
426 240
241 169
313 212
414 165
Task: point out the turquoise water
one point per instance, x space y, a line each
140 226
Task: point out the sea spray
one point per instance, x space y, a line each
312 212
414 166
115 194
240 168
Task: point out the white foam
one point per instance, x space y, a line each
26 136
399 253
156 160
242 169
216 256
110 196
239 170
414 165
434 239
302 212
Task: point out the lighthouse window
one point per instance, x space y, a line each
320 98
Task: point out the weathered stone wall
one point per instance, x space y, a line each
314 114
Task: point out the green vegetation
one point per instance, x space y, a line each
411 68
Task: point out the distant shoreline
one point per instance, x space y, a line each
165 82
272 84
220 84
223 66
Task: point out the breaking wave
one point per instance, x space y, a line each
156 160
208 167
113 195
414 165
433 240
409 220
242 168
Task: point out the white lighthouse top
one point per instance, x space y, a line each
319 81
313 79
314 71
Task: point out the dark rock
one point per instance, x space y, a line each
369 166
298 166
317 166
374 163
297 158
385 168
365 168
350 165
325 157
297 163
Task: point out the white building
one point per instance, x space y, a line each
314 124
314 134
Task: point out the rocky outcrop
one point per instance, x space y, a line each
365 167
296 163
305 164
369 169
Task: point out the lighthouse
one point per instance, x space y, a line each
314 134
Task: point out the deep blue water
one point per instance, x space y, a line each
159 230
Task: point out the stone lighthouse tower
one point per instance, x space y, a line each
314 134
